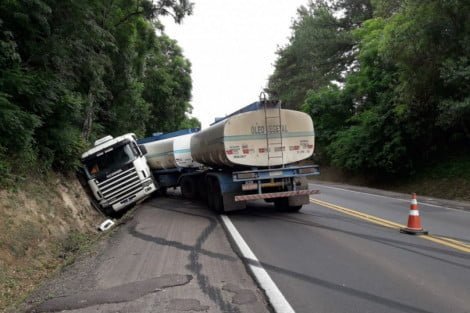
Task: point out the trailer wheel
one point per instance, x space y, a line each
162 191
293 208
217 195
201 188
209 193
188 187
282 204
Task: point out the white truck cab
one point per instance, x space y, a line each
116 173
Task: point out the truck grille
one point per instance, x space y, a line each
121 186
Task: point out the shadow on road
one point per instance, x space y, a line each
194 265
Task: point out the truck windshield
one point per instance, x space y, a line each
110 160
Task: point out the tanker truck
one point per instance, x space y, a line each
250 154
169 157
115 173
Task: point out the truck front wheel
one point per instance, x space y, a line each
108 211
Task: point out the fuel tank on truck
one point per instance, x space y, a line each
258 135
170 150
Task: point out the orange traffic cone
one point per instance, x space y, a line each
414 221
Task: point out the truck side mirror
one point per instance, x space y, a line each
143 149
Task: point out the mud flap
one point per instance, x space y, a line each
302 199
230 204
298 200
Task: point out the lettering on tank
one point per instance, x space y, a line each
272 129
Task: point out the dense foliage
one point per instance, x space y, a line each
386 82
72 71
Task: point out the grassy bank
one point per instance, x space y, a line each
447 179
44 222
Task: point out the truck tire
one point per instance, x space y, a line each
201 188
214 195
162 191
217 194
293 208
282 204
209 197
108 211
188 187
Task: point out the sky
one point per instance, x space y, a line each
231 46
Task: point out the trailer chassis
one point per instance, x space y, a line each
226 190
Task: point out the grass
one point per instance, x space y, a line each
448 179
75 243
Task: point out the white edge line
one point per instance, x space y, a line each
275 297
398 199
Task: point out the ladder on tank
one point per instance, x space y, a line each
274 140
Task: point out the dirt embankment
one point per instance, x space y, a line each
43 222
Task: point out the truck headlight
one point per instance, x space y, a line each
147 183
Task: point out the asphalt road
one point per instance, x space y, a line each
323 260
172 256
440 219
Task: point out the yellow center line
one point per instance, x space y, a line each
455 244
458 245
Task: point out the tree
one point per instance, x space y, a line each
167 87
320 50
330 109
406 103
428 42
190 122
72 71
17 125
